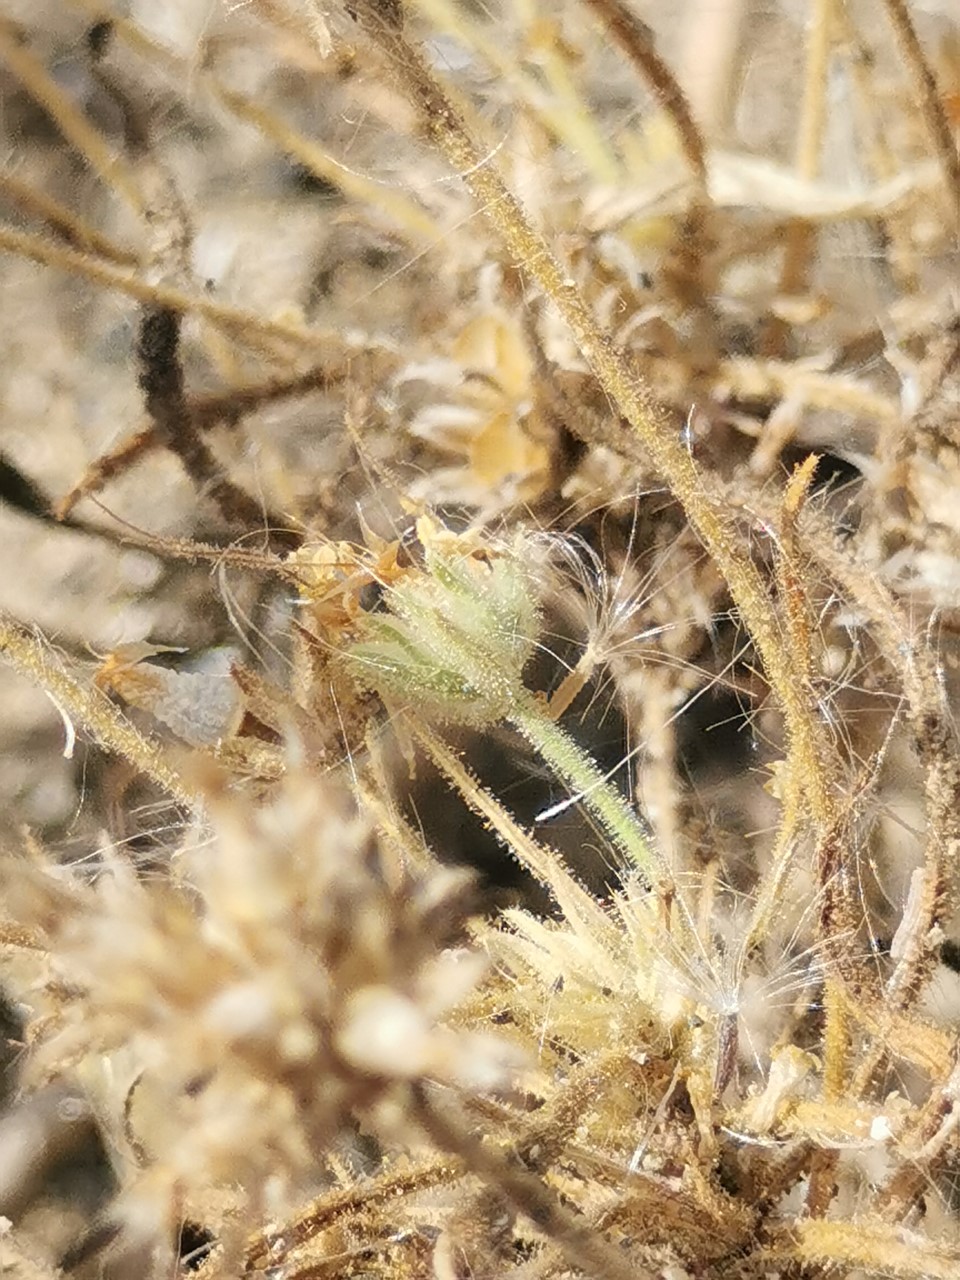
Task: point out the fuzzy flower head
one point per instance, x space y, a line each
286 978
456 634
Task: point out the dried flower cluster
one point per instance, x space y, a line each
511 825
274 985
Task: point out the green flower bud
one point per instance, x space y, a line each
455 637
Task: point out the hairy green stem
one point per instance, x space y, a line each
600 796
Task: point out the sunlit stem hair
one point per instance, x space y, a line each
454 641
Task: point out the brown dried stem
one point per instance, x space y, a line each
636 40
188 550
271 338
414 221
580 1245
67 224
33 658
546 866
219 408
72 124
936 744
850 48
161 380
333 1206
929 100
801 234
799 629
866 1244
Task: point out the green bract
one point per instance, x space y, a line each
455 638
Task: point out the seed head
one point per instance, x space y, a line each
457 633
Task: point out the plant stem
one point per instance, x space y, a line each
710 517
600 796
801 233
98 716
929 100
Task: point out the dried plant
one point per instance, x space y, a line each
496 392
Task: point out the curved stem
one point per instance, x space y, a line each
594 789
